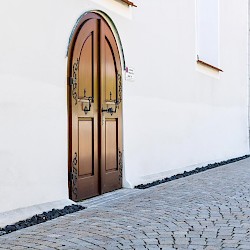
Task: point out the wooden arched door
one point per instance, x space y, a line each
95 110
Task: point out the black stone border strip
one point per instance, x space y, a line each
41 218
195 171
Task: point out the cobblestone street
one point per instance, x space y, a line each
209 210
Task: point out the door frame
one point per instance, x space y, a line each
77 27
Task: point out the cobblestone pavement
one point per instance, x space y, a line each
209 210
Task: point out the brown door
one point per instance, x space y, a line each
95 122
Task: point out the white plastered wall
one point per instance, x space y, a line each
176 116
249 69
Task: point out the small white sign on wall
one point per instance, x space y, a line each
130 74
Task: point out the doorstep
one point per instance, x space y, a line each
108 197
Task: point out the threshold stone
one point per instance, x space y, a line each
40 218
188 173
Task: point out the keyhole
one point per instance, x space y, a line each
110 94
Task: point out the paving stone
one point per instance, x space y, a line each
195 247
151 247
166 241
198 241
234 241
243 247
229 246
180 241
209 210
165 247
151 241
181 246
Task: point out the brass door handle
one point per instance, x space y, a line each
109 110
83 100
86 102
110 102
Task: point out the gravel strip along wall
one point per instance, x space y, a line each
40 218
187 173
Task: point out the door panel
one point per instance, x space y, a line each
86 142
86 68
110 73
95 122
111 144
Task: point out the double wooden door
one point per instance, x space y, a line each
95 122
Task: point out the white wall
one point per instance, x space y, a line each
249 69
174 116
